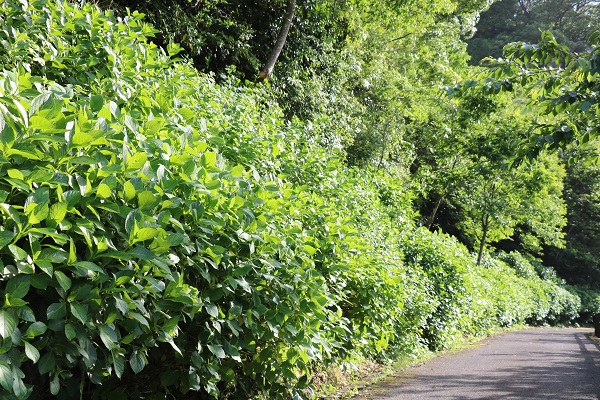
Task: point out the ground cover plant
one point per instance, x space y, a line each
165 236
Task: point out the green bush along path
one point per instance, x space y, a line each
164 236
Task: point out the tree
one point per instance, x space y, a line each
578 261
556 86
499 204
509 21
267 70
468 186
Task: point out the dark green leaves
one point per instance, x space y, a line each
6 237
137 361
8 324
56 311
18 286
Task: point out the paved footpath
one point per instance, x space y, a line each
541 363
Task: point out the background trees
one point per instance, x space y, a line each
508 21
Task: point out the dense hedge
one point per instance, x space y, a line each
161 234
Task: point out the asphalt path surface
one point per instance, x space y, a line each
543 363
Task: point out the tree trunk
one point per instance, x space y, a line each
485 225
431 218
281 37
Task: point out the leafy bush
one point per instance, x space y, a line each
442 264
136 245
590 302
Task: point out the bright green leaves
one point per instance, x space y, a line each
136 161
57 213
146 200
140 235
37 206
129 191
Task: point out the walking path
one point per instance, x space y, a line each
541 363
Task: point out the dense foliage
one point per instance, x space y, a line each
509 21
166 236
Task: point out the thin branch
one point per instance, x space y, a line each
399 38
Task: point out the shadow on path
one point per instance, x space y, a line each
532 364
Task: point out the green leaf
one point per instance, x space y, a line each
121 305
83 138
55 256
2 126
119 363
139 318
146 200
56 311
57 214
96 103
136 161
8 324
6 237
114 109
89 266
137 362
208 159
103 191
109 337
19 388
212 310
144 234
217 350
16 174
141 253
14 214
18 286
22 111
131 123
70 331
129 191
39 213
35 329
18 253
55 385
6 377
47 363
63 280
31 352
79 311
